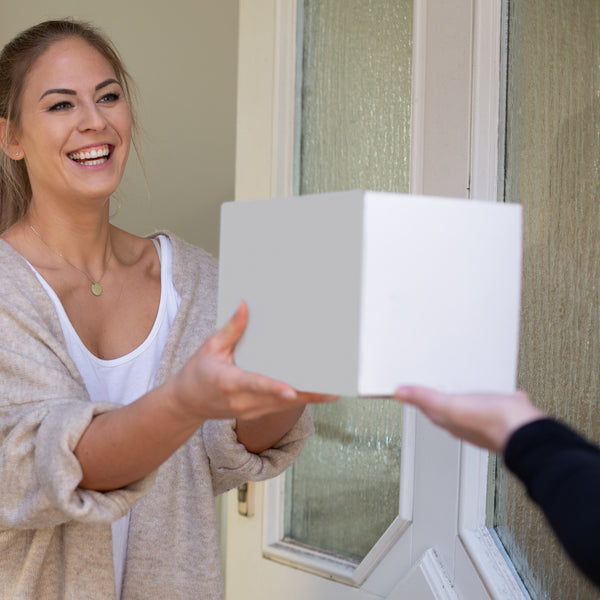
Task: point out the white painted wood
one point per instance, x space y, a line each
481 560
284 98
255 96
492 565
484 556
418 90
427 580
485 100
472 487
467 581
442 48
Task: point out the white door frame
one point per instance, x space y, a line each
455 110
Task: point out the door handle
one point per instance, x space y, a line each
245 497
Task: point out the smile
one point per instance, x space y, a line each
91 157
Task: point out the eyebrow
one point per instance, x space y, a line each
73 92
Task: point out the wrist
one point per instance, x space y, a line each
178 405
522 415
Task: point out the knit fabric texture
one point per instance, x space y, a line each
55 538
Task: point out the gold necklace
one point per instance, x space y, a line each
95 287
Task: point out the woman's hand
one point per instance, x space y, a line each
123 445
211 386
486 420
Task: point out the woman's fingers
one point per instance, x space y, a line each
213 386
260 385
229 335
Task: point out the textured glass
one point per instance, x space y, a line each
356 103
552 162
344 488
343 491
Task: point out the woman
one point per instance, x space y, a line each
560 469
107 368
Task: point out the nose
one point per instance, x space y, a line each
92 118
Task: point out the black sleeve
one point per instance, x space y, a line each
561 472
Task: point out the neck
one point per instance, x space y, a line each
83 240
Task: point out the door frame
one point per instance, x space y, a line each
454 144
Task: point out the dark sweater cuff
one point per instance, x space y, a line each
531 442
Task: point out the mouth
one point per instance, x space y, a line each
90 157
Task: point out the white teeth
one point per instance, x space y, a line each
90 155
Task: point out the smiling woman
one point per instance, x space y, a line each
110 365
72 105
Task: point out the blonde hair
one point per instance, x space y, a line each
16 60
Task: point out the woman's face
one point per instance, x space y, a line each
75 128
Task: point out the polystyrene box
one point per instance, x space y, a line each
354 293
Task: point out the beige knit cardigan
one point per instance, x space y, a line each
55 538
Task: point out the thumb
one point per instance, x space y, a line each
229 335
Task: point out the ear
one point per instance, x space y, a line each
10 147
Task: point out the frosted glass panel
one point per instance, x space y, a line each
343 491
553 169
345 486
356 101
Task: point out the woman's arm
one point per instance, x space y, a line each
123 445
264 432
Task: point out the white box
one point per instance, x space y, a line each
354 293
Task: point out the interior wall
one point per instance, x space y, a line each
182 55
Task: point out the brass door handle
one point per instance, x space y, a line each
245 496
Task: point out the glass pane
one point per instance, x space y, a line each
345 485
356 103
355 133
552 152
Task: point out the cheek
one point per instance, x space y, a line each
125 124
39 152
124 132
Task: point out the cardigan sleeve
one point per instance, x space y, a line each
40 474
561 471
231 464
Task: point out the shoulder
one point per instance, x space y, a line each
195 271
186 253
31 330
190 263
16 276
9 257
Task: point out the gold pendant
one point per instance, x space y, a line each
96 289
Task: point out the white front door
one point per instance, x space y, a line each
433 543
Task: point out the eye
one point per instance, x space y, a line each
110 97
64 105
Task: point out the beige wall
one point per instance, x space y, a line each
183 57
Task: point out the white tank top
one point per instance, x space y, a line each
122 380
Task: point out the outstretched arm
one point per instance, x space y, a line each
123 445
559 468
486 420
